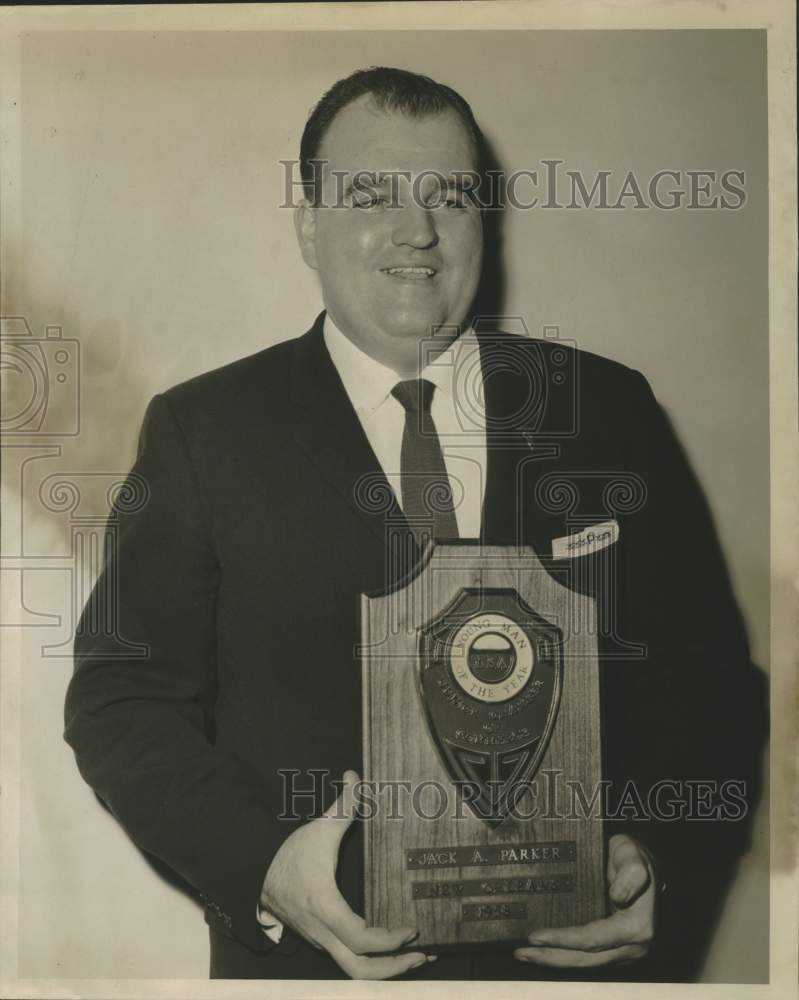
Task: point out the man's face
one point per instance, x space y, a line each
401 257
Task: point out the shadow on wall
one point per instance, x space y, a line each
490 299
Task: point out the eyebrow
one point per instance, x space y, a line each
385 178
467 191
366 179
369 180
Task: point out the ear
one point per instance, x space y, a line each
305 227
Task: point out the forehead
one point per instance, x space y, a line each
364 137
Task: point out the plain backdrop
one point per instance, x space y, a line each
152 234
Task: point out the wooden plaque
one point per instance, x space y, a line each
481 750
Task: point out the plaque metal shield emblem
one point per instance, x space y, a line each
490 675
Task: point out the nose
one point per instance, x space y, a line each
414 226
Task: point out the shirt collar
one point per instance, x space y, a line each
368 382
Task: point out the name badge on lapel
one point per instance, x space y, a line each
586 542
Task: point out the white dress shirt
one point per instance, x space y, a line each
458 411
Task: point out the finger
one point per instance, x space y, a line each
343 809
384 967
631 882
351 929
339 816
622 847
623 928
629 870
565 958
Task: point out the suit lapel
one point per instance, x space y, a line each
328 430
516 454
503 441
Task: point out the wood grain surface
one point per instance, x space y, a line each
398 747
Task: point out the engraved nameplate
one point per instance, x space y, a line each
529 885
494 911
553 852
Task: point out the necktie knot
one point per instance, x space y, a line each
415 395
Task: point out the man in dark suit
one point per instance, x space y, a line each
241 572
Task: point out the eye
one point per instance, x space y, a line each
368 199
447 199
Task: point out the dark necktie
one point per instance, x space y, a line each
426 491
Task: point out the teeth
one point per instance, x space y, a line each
428 271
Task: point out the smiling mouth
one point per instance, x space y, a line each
410 273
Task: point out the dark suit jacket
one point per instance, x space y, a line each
241 573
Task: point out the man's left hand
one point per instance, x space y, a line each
623 936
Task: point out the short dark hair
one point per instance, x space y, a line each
392 90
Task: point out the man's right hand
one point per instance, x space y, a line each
300 889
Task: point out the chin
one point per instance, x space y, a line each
407 332
415 327
405 347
